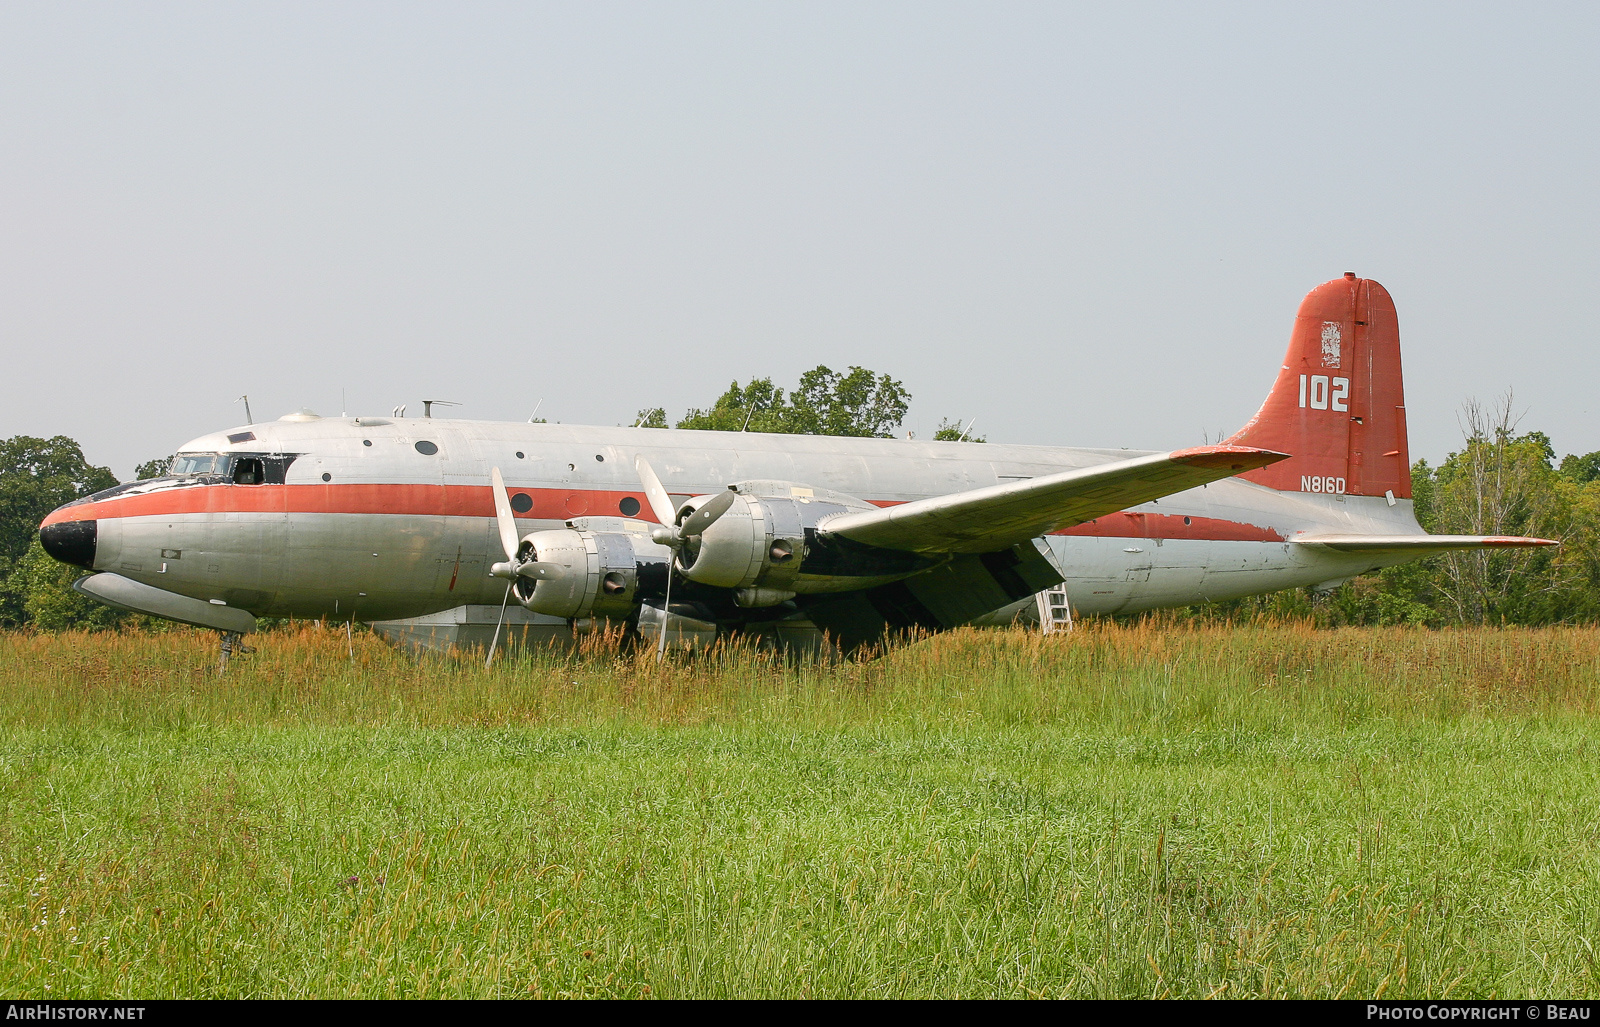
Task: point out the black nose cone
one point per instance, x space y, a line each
70 542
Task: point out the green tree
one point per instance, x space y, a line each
856 403
45 590
36 476
153 468
1581 469
758 406
952 431
1501 483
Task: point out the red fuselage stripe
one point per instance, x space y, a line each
548 505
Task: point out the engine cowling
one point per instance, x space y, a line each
599 559
758 547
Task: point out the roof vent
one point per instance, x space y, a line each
1350 275
300 415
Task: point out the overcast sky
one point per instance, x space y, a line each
1082 224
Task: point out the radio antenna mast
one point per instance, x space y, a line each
246 401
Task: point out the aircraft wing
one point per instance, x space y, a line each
1419 544
990 519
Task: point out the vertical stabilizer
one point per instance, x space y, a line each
1338 407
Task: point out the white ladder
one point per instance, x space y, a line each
1055 611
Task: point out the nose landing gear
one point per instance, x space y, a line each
232 642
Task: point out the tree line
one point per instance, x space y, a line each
1501 482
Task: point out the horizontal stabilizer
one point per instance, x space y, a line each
990 519
1419 543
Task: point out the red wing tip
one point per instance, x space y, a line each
1512 540
1233 458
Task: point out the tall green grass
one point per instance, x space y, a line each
1125 811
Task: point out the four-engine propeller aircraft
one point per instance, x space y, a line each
691 534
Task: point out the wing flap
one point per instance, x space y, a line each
989 519
1419 543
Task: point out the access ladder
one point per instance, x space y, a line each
1055 611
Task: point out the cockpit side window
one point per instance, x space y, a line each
247 470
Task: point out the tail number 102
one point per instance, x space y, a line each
1324 393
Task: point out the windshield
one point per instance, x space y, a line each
186 464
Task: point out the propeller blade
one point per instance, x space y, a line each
666 617
660 502
493 645
503 516
707 515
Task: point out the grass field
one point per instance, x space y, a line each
1126 811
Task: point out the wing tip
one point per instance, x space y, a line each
1232 458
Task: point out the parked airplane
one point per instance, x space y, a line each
691 534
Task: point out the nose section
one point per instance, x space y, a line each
70 542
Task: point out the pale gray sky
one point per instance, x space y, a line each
1083 224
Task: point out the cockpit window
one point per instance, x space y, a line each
186 465
248 471
240 468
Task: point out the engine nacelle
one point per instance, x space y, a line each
759 545
599 568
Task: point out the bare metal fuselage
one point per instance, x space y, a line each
368 523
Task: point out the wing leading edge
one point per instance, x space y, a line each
993 518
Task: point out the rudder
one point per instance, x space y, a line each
1338 406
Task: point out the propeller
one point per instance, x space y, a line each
671 533
513 568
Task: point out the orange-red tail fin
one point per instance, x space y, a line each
1338 407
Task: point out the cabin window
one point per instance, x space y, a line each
426 448
521 502
629 506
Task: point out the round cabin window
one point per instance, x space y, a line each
326 476
521 502
600 458
426 448
629 506
519 454
366 442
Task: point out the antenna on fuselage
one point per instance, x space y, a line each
535 413
427 405
968 430
399 411
246 401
